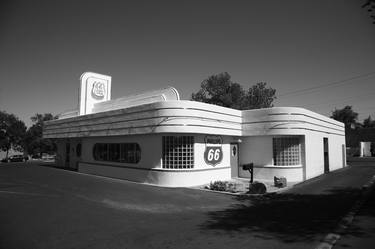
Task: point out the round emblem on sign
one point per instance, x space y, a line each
98 89
213 153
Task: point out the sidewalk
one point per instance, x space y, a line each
349 179
361 233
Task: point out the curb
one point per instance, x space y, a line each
330 239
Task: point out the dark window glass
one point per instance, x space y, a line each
117 152
114 152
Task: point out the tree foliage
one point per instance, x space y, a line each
368 123
12 132
220 90
34 142
259 96
346 115
370 6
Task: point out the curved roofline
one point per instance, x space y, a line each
184 116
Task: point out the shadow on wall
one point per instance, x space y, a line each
288 217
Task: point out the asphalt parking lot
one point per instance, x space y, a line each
43 207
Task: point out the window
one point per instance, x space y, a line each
286 151
178 152
117 152
130 153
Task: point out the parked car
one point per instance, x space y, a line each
15 158
48 157
36 156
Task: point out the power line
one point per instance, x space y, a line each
345 99
339 82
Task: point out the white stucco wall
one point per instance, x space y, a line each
259 150
150 145
200 147
60 152
315 155
149 169
256 149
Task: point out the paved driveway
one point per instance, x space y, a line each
43 207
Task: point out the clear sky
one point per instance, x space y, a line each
292 45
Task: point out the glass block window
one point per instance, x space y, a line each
178 152
117 152
286 151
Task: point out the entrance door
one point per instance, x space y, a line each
67 154
326 155
234 159
78 154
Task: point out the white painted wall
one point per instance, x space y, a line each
259 150
60 152
149 169
168 178
74 158
151 149
315 156
364 149
200 147
256 149
336 152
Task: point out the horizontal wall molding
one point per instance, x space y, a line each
191 117
291 121
279 166
102 164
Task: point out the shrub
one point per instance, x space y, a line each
223 186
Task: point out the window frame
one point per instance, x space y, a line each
291 151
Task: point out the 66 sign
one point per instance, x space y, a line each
213 153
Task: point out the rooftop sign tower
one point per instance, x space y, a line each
94 88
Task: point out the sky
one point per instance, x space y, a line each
318 55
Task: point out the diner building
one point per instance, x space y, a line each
156 138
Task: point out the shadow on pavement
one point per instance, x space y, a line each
360 233
288 217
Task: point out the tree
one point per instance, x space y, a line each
34 142
259 96
220 90
370 6
12 132
368 123
346 115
